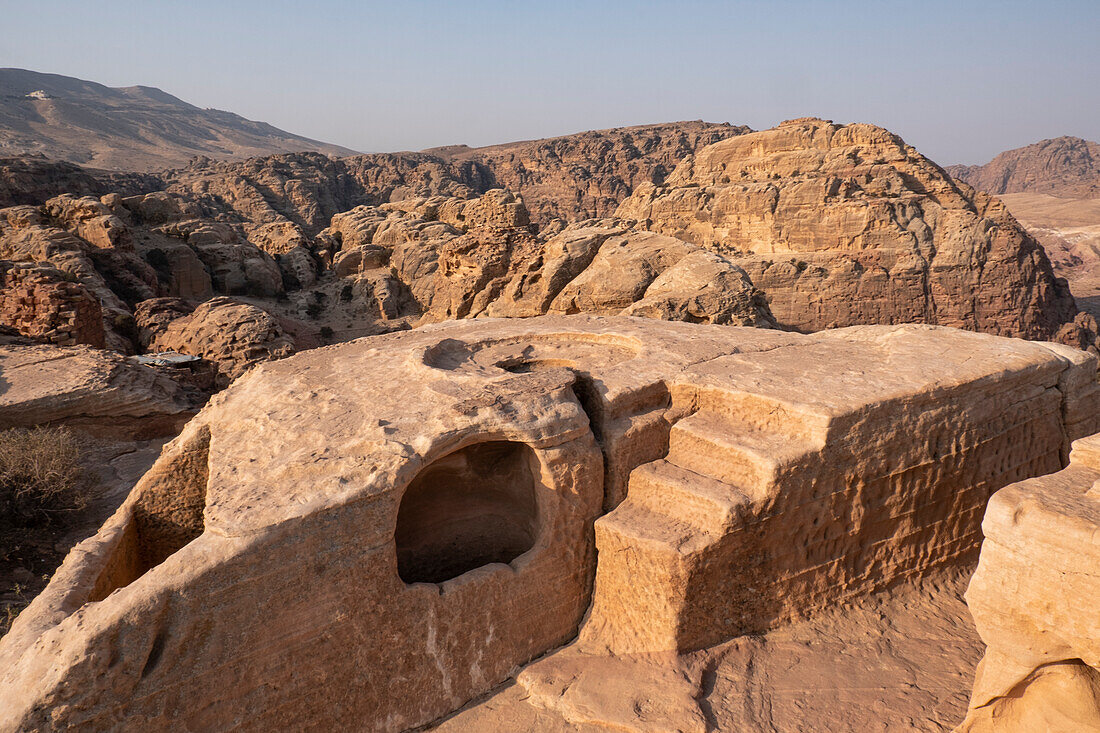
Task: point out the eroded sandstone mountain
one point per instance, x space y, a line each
846 224
1067 167
572 177
587 174
1053 189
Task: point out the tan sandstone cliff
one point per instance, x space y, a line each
1034 599
846 224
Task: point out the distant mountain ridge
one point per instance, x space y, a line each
135 128
1063 166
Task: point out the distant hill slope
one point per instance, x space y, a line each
129 128
1068 167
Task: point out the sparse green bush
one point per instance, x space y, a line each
41 480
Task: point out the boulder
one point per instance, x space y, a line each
233 335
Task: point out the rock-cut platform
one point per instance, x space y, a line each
372 534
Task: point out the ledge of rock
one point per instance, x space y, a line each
88 389
321 523
1034 599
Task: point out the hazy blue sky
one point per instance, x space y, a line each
959 80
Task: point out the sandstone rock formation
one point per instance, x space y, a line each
1066 167
1053 189
128 128
86 242
842 225
901 659
572 177
38 301
1034 600
586 175
119 252
427 260
327 546
88 389
31 179
807 226
233 335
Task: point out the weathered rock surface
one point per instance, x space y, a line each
38 301
151 317
106 266
586 175
807 226
1064 167
325 545
1034 601
31 179
901 659
233 335
845 224
572 177
88 389
444 258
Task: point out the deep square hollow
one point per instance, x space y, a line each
475 506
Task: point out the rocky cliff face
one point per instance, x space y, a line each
1064 166
586 175
32 179
846 224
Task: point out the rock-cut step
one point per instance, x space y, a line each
670 510
706 503
734 453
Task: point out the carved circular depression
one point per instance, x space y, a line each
576 351
472 507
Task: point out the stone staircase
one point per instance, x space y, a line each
659 550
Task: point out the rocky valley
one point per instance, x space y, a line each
682 426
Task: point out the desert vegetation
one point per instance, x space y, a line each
41 481
42 487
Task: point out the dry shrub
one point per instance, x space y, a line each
41 480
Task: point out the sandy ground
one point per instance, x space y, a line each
900 660
1069 230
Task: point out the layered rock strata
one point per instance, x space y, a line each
327 546
1034 601
846 224
88 389
39 302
